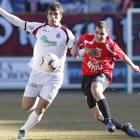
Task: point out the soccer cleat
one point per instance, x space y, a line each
21 134
131 132
111 127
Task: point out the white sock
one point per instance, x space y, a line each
32 120
35 104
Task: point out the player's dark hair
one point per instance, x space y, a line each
102 24
55 6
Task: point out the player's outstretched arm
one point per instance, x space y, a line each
13 19
134 67
75 51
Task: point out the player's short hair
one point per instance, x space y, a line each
102 24
55 6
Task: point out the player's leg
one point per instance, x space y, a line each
31 95
28 103
99 84
86 87
93 87
127 127
47 95
94 108
98 115
36 115
35 104
29 98
97 92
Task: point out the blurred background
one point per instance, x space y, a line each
70 6
80 16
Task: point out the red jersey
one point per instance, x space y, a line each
103 60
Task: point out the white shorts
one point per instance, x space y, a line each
44 85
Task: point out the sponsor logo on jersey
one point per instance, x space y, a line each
32 84
97 52
94 61
93 67
58 35
48 42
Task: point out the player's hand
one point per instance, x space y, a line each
90 52
74 52
136 69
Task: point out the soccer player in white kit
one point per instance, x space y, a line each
54 38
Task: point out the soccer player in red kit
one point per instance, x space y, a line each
99 52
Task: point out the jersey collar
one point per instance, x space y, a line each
55 26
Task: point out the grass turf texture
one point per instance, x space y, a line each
68 117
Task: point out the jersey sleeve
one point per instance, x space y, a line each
84 37
119 54
32 27
71 39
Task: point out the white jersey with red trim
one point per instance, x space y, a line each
54 40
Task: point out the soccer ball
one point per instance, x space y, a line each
49 62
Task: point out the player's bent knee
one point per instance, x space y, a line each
25 107
95 93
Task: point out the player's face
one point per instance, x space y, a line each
100 35
54 18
